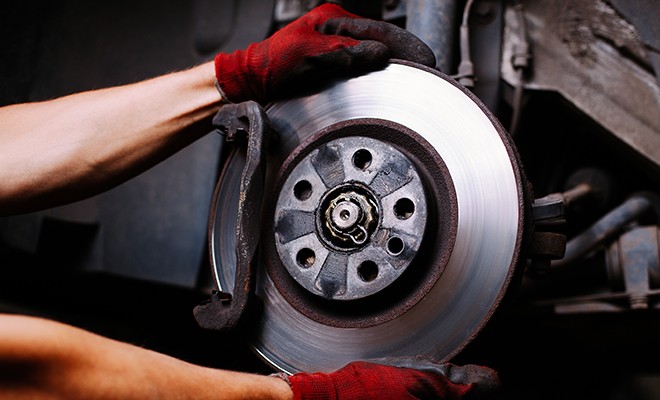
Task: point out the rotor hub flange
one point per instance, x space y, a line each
351 217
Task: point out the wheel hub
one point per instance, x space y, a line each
348 216
351 217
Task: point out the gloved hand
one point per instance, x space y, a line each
326 42
396 379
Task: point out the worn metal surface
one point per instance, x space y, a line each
350 218
633 261
590 55
550 245
227 309
606 228
431 258
633 271
644 15
488 188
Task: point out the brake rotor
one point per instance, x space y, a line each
392 226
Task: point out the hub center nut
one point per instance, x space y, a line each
349 214
344 215
350 217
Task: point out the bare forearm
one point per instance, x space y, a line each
49 360
75 146
169 378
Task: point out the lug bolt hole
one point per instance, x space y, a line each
306 258
302 190
362 159
395 246
404 208
367 271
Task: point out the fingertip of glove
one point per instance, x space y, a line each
424 55
409 47
369 55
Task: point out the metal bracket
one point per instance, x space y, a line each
635 261
225 311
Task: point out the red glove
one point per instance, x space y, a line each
410 379
326 42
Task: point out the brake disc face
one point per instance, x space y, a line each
392 227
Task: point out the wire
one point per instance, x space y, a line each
520 60
465 74
466 12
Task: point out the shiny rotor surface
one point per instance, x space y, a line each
488 191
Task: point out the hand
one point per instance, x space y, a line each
324 43
396 378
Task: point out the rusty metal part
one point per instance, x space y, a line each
552 208
607 228
633 270
548 212
434 318
644 14
593 190
589 54
350 217
548 208
227 309
551 245
431 258
633 264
